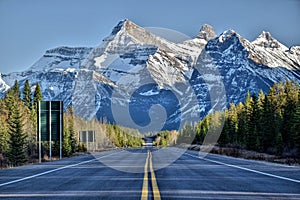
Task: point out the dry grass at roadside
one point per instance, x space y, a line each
242 153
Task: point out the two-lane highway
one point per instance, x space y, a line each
167 173
84 177
221 177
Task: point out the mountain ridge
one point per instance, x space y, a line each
132 70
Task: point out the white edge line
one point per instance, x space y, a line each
246 169
54 170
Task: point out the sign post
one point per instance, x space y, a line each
60 130
39 129
50 133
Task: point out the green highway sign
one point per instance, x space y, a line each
50 120
87 136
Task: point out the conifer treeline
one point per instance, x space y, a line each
18 129
267 123
123 137
18 122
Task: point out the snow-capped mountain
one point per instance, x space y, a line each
124 78
3 87
55 72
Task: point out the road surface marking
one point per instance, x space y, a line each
155 190
145 182
54 170
246 169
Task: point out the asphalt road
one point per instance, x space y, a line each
167 173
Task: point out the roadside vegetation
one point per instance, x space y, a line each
18 130
265 126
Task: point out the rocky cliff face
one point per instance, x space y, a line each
143 81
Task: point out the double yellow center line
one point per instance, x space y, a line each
155 190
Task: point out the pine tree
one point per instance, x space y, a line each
260 100
242 124
270 121
233 124
259 123
248 110
12 95
32 140
296 128
72 140
12 98
3 130
16 90
32 116
291 98
4 137
27 95
37 96
280 96
252 125
66 146
17 142
201 130
268 116
225 134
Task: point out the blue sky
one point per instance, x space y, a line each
29 27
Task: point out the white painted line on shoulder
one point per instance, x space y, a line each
54 170
246 169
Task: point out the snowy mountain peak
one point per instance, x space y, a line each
124 25
206 32
61 58
3 87
266 34
118 27
227 35
266 40
133 69
228 41
128 27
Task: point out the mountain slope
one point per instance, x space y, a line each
132 71
3 87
